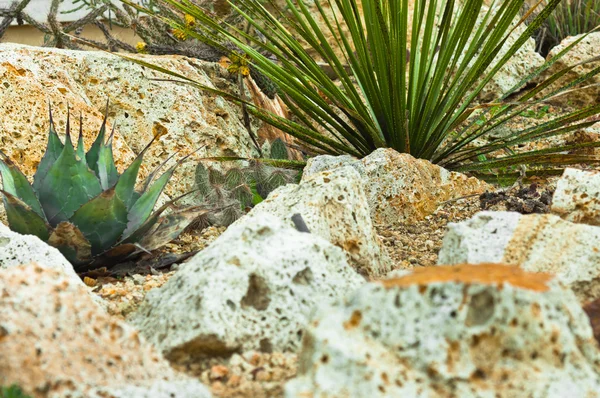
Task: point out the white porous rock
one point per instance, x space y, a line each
452 331
577 196
584 50
399 187
57 342
252 289
321 163
520 64
334 206
17 249
536 242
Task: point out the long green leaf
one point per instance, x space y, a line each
68 185
15 183
23 219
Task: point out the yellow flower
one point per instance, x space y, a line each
179 34
238 65
141 47
189 20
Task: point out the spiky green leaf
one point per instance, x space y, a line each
22 218
105 168
53 151
15 183
68 185
102 220
143 207
93 154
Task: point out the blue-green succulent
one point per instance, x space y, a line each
80 204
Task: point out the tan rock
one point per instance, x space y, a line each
399 187
577 196
519 65
333 204
139 106
55 341
585 50
536 242
254 288
463 331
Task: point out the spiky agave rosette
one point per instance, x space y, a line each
81 205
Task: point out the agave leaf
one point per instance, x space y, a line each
93 154
23 219
125 187
68 185
105 168
53 151
67 238
111 256
150 223
15 183
102 220
170 227
143 207
80 146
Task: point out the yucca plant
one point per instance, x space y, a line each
570 18
81 205
421 101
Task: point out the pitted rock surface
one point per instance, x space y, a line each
57 342
252 289
399 187
536 242
486 330
334 206
577 196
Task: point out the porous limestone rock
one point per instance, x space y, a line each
577 196
399 187
520 64
536 242
321 163
455 331
402 188
251 289
334 206
56 342
584 50
17 249
140 107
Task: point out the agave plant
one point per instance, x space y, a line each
408 83
81 205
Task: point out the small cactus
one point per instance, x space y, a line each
233 193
